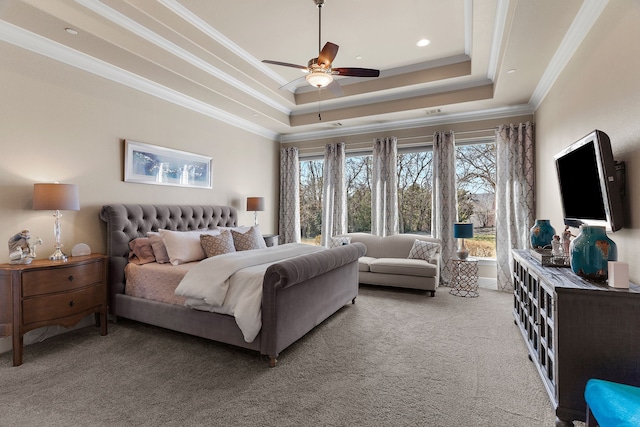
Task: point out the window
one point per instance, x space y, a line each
475 173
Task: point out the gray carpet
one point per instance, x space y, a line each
395 358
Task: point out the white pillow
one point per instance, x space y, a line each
424 250
339 241
184 246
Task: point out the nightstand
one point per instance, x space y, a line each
48 292
270 239
464 277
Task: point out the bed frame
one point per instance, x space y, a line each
298 293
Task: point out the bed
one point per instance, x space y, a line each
297 293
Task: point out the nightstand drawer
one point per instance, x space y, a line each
38 282
64 304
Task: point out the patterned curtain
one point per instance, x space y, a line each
334 193
384 187
444 200
289 195
515 202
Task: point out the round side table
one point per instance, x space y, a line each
464 277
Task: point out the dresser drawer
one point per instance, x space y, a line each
38 282
63 304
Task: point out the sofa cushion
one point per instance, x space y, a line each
403 266
424 250
363 263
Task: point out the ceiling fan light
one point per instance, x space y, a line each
319 79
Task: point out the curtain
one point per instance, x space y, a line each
384 187
444 199
334 193
289 196
515 202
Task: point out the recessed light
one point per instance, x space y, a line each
359 57
511 71
423 43
71 31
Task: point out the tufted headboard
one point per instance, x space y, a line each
127 222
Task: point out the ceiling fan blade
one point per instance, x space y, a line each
335 88
327 55
292 84
356 72
285 64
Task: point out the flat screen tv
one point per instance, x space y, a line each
589 184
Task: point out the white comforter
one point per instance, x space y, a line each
232 283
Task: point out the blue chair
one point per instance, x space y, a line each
611 404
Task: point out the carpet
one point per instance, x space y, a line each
395 358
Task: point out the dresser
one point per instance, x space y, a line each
46 293
575 330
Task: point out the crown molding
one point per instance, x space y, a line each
148 35
580 27
495 113
35 43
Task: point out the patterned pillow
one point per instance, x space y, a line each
217 245
339 241
251 239
424 250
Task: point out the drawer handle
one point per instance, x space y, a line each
71 278
71 303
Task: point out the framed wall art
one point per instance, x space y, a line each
151 164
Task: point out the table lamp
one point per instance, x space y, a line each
462 230
56 197
255 204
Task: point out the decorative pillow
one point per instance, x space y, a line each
339 241
184 246
159 249
252 239
424 250
217 244
141 251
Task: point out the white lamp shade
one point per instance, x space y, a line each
54 197
319 79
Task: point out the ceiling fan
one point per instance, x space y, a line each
319 71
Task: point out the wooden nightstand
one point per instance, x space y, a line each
48 292
270 239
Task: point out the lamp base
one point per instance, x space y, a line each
58 255
462 254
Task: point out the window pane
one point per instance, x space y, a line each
415 183
358 182
311 201
476 178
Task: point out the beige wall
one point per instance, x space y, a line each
58 123
599 89
62 124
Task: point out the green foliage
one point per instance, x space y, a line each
475 175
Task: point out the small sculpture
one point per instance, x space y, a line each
33 242
19 248
556 247
566 240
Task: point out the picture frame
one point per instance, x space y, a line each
152 164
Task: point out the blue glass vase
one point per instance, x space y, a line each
591 252
541 234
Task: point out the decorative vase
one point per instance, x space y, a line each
591 252
541 234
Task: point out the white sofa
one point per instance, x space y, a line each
386 262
